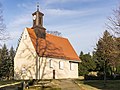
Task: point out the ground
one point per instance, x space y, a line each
77 84
74 84
99 84
66 84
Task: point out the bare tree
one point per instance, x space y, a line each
114 25
114 21
3 34
56 33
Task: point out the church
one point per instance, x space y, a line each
44 56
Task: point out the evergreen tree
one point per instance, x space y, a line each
11 62
88 64
1 64
106 53
4 62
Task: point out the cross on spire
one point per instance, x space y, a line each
37 6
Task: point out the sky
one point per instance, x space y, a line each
81 21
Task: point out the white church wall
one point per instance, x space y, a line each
46 72
24 61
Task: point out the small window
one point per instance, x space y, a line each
61 65
71 66
50 63
25 36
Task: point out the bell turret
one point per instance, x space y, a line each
40 31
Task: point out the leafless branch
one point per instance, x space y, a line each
56 33
114 21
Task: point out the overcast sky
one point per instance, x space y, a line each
81 21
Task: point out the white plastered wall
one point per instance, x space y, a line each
25 58
46 72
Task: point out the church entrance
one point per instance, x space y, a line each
53 74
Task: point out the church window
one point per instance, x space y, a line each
51 63
61 65
71 66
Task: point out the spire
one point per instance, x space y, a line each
37 6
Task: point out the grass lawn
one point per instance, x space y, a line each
99 84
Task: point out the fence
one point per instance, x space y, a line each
13 86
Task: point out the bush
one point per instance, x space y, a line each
91 77
101 77
31 82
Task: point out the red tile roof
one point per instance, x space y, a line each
53 46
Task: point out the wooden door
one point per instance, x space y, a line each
53 74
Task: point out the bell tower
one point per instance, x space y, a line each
40 31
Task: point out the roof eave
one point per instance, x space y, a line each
75 60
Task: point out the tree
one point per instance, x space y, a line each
114 25
114 21
106 50
88 64
115 56
81 68
6 62
4 69
107 54
11 62
102 52
3 34
56 33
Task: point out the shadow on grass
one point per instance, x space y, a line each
8 82
41 88
99 84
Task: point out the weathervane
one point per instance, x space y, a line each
37 6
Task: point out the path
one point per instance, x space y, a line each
66 84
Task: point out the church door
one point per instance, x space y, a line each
53 74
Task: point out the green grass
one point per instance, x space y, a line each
99 84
